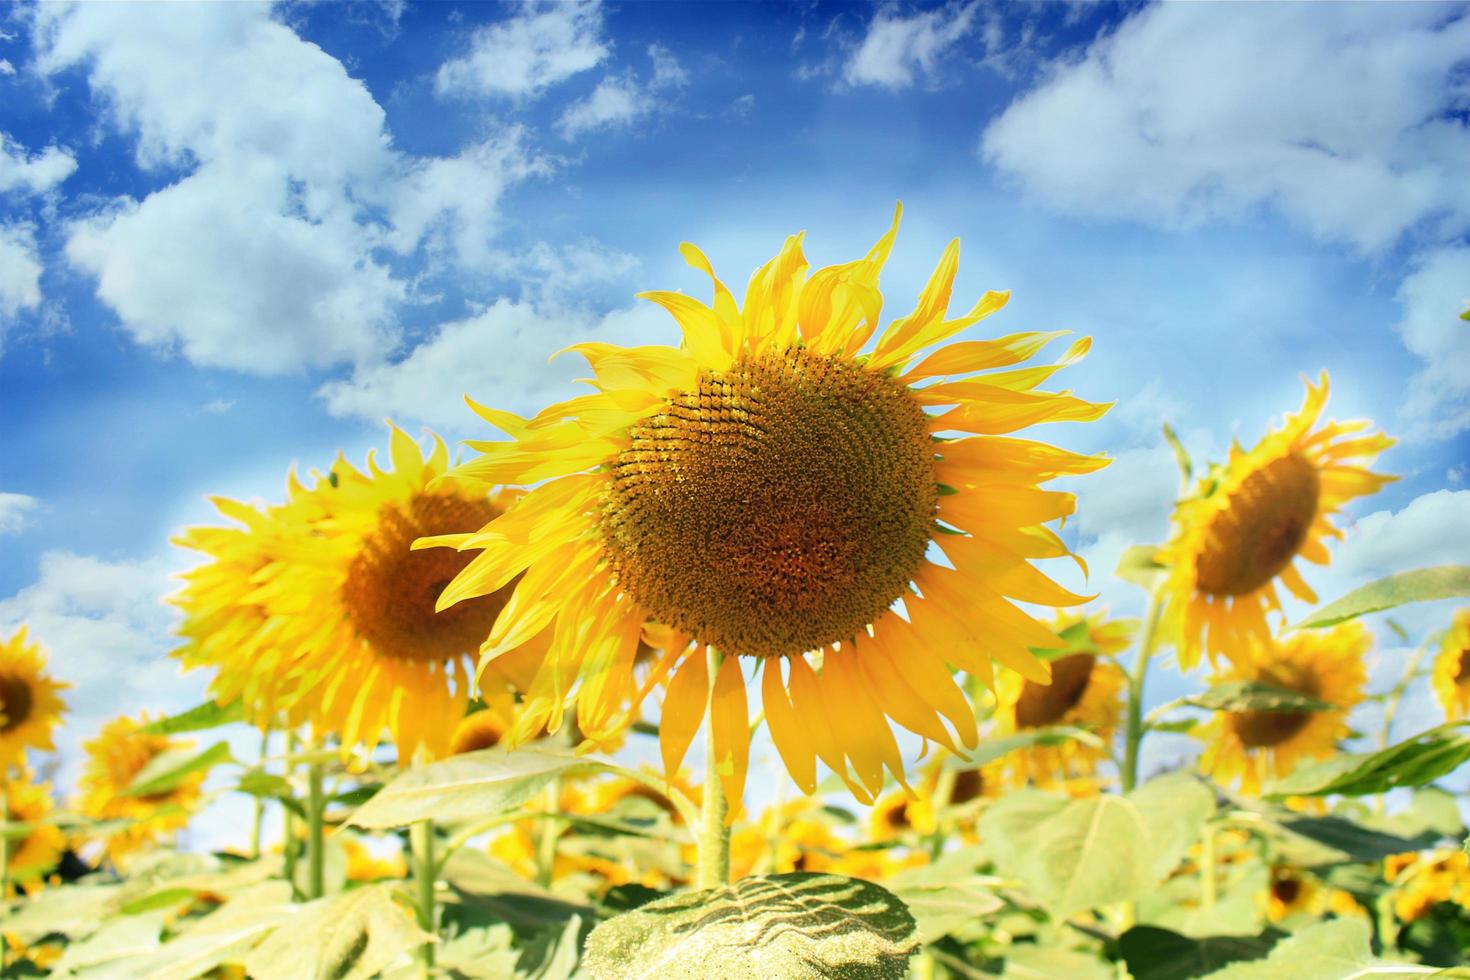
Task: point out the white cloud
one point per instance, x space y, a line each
896 49
269 254
35 173
623 100
1340 116
13 510
20 272
6 68
544 43
565 277
1432 297
499 357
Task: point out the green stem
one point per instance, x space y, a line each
1391 709
315 838
1134 733
1208 884
550 831
714 835
421 843
288 822
257 820
4 854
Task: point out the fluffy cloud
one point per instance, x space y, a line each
621 101
521 57
13 510
896 49
35 173
1343 117
1432 297
20 272
500 357
274 251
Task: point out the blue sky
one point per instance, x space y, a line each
235 237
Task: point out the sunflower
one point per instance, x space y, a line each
29 705
113 760
1239 535
897 814
1084 693
344 632
1421 881
769 492
1291 892
1323 664
364 865
30 856
1451 674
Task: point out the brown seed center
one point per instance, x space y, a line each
969 785
1264 729
1046 704
780 507
1462 672
16 702
390 590
1252 540
1286 890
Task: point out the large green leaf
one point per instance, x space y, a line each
1334 950
947 894
1161 954
1350 840
1255 696
207 715
344 937
1414 762
1420 585
777 928
472 786
484 884
168 769
1074 855
1032 962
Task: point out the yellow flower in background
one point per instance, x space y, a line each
1450 676
113 761
478 730
363 865
1420 881
1085 692
344 633
1252 746
30 705
1292 892
33 854
1238 537
770 491
897 814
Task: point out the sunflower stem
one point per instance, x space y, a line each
1208 885
258 817
425 871
315 838
4 852
1134 732
1391 708
550 830
288 829
714 835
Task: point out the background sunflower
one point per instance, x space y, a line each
113 761
30 856
1450 676
769 491
1249 520
1252 746
30 705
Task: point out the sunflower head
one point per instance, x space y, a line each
1422 880
1252 746
113 761
30 856
1450 676
1237 539
30 704
772 490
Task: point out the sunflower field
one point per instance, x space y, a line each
753 661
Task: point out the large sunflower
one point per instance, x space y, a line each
342 629
114 759
29 703
31 855
1253 745
770 492
1084 693
1251 518
1450 676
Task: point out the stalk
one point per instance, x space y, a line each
4 855
714 835
549 831
1208 884
1391 708
258 817
421 843
1134 732
288 819
315 838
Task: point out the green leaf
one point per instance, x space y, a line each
1351 840
479 953
76 910
1334 950
1255 696
993 748
1033 962
472 786
779 927
947 894
1178 726
1074 855
344 937
117 939
1181 455
552 955
1415 762
1160 954
223 936
1139 564
168 769
1432 813
1421 585
196 719
485 884
1076 638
